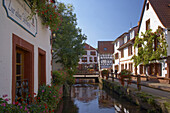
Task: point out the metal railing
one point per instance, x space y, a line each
22 90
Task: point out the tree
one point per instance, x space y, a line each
69 42
152 46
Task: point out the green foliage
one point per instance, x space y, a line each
69 42
20 107
46 101
105 72
49 96
59 77
62 77
147 51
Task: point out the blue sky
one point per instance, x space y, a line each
105 20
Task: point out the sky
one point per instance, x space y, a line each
105 20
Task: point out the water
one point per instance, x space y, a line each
90 98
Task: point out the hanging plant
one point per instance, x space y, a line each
48 11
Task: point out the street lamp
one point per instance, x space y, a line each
53 36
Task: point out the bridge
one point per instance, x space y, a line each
87 76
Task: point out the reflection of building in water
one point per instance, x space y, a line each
85 93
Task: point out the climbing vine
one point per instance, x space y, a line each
151 47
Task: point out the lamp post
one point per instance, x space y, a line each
54 34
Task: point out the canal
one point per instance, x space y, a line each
91 98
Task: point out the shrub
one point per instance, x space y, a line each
59 77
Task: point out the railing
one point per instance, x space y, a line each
87 73
22 90
138 82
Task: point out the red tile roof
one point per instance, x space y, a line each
88 47
105 44
162 9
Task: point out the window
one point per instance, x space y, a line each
126 66
117 67
147 6
84 59
130 50
105 49
131 34
116 44
131 67
148 24
95 59
116 55
91 59
92 53
122 53
125 39
19 74
122 66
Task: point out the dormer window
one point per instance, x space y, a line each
147 6
131 34
105 49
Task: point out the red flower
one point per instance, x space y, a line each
16 103
22 99
52 1
34 93
49 86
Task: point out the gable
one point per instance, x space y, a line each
149 14
88 47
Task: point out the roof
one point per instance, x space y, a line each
162 9
105 47
88 47
121 36
129 42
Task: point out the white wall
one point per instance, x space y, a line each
42 40
154 20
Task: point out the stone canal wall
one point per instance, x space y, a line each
150 103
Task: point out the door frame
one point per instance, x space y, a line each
28 48
42 53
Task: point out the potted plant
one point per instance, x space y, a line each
125 74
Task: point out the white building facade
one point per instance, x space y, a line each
25 49
89 59
124 50
153 17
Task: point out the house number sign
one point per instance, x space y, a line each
18 11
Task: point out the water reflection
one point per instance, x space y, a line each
87 98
